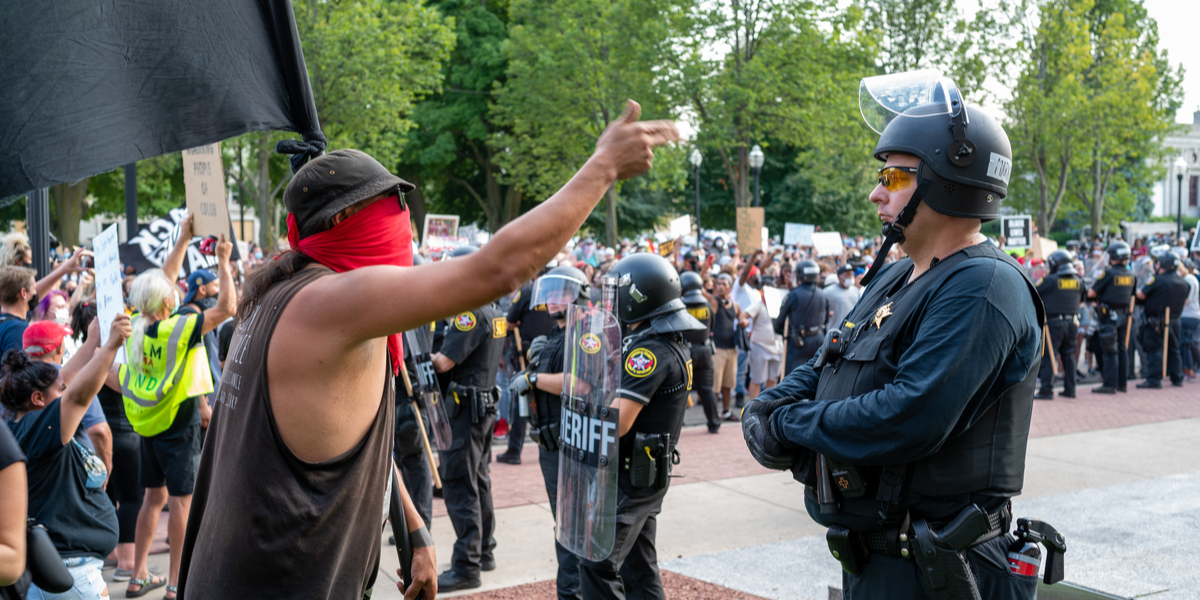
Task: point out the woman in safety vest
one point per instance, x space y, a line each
164 384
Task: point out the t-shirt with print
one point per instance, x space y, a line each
81 520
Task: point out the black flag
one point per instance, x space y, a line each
87 86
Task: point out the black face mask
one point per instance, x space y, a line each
33 300
205 303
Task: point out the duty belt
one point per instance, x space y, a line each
1063 317
896 543
1114 308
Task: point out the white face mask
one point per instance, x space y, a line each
62 316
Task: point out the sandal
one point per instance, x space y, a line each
145 585
172 590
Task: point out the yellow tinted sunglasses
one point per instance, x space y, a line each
894 179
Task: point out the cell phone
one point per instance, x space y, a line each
87 262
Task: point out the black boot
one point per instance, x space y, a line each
1044 395
451 581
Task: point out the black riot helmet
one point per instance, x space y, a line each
1118 252
648 289
965 156
1167 261
460 251
1059 262
561 285
691 285
808 271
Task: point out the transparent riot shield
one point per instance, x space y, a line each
588 461
418 342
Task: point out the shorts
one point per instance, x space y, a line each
172 462
89 582
724 368
764 365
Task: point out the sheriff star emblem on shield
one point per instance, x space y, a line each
589 343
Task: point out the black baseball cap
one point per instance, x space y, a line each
334 182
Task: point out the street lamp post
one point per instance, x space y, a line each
756 163
696 158
1180 167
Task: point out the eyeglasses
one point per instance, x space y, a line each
894 179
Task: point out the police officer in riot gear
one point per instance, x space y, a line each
1166 290
541 386
909 427
804 310
651 400
530 321
692 286
1112 291
466 365
1062 293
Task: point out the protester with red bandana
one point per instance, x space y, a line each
294 475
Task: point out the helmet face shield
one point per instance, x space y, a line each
884 97
555 289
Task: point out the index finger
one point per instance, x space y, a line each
660 132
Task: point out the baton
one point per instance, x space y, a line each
1166 330
437 480
404 548
783 361
1129 322
1047 349
520 351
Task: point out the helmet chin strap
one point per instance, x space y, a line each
893 233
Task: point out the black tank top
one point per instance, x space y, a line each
265 524
724 319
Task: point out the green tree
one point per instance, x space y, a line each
572 65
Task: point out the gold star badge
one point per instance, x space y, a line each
884 312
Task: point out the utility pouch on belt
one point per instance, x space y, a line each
649 466
546 436
847 479
939 555
847 546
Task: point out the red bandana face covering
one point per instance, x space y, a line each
380 234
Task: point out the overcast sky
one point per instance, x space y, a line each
1179 35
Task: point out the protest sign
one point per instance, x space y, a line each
798 234
773 298
439 226
204 185
1041 247
149 248
749 230
828 243
109 298
766 238
666 248
1017 231
681 226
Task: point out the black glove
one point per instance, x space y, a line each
535 348
769 451
522 382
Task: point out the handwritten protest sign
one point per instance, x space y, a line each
109 299
798 234
828 243
749 229
204 184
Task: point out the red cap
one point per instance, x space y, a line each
43 337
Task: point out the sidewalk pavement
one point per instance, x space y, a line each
1120 475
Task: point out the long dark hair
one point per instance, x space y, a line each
21 378
267 274
81 318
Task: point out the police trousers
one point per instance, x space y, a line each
1112 343
1062 343
797 356
631 571
467 490
887 578
568 562
1152 341
702 382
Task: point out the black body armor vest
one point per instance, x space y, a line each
987 458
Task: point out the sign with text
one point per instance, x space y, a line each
439 226
828 243
681 226
1017 231
204 183
749 230
109 298
798 234
666 248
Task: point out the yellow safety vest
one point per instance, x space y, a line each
168 375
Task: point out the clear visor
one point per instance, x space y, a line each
555 289
882 98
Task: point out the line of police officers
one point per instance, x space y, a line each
1063 292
